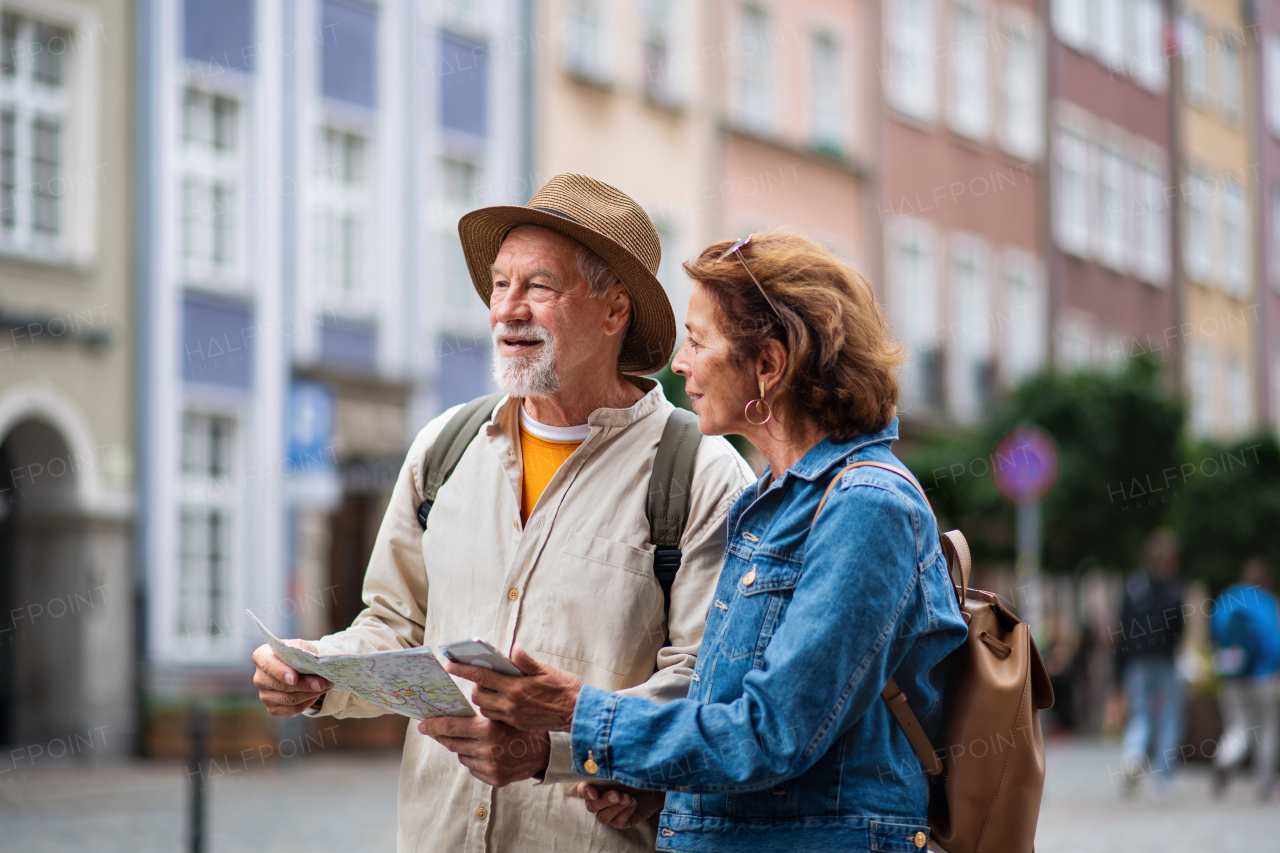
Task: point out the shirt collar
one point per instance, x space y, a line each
827 453
652 401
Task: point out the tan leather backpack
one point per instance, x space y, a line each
987 771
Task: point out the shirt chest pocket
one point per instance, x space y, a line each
760 602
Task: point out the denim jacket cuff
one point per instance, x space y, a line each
592 724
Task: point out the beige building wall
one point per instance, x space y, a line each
66 365
628 100
1219 197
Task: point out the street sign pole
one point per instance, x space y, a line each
1028 602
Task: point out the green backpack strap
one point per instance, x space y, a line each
449 447
669 487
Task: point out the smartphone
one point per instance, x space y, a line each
478 652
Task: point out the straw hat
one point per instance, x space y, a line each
608 222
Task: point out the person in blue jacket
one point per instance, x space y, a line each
1246 629
784 741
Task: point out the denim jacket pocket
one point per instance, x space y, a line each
760 600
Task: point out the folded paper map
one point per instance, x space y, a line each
404 681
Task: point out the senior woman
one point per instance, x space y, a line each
784 742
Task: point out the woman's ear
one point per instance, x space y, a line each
771 364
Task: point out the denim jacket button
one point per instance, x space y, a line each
920 840
750 577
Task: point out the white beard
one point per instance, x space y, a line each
530 375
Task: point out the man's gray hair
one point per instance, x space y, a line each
597 273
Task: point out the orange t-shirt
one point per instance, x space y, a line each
542 459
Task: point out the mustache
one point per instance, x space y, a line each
531 331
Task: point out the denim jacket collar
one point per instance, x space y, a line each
824 455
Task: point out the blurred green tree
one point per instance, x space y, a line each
1229 508
1118 436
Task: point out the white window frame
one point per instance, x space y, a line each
338 204
1239 402
1150 244
1271 80
1195 66
1197 246
969 84
971 333
911 75
755 84
202 492
1201 386
1235 237
1021 86
1111 32
664 84
202 169
1025 315
1071 23
1230 77
828 92
588 53
1149 66
1274 236
1072 200
1113 196
74 105
915 302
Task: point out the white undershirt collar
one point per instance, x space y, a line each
546 432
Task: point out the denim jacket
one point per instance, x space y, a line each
784 742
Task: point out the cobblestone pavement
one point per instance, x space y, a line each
332 802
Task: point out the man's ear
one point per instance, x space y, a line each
618 312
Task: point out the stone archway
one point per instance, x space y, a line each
45 586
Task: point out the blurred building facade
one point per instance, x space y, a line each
961 198
1265 119
1220 205
66 424
299 157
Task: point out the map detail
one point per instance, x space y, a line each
404 681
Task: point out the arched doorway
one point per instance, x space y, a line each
45 585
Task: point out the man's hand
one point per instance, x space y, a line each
540 701
286 693
621 807
495 753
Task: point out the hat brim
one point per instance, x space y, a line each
652 335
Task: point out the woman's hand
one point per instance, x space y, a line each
540 701
621 808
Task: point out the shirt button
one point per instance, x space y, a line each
750 577
482 813
513 594
515 522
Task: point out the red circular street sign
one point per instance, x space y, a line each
1025 464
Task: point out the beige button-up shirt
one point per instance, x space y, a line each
574 586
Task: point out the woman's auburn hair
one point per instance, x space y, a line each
842 361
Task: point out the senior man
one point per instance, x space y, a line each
540 536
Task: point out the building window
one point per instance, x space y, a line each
1022 82
1239 410
1109 32
1272 83
1195 71
1200 383
1025 317
1111 237
969 87
1197 255
463 85
658 45
911 79
1235 239
915 302
1151 228
972 369
1071 22
206 535
211 177
1146 46
827 114
587 51
1229 77
33 113
1071 211
348 58
1275 390
341 215
1275 237
459 179
755 72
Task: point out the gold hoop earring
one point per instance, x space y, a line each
762 408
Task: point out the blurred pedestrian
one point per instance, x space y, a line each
1246 629
1151 625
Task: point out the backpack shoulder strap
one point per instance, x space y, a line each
956 551
449 446
669 485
